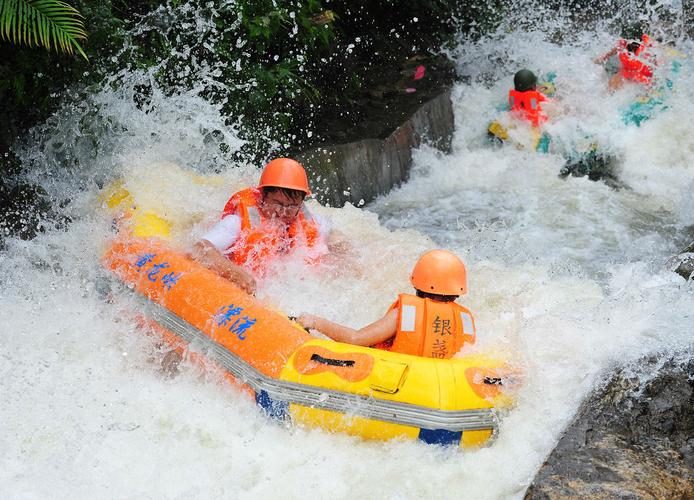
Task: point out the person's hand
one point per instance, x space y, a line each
307 320
248 284
243 280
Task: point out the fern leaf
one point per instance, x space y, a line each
46 23
9 12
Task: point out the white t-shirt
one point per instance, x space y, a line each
225 232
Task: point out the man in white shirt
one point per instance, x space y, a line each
262 223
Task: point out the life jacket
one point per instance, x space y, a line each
526 105
635 66
262 240
430 328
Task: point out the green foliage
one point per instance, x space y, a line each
253 55
45 23
276 68
32 82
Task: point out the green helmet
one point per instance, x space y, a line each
524 80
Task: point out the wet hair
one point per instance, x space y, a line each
633 46
436 296
292 194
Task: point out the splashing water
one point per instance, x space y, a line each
568 275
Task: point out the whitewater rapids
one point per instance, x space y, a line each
569 276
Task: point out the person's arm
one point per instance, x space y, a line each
341 254
208 251
207 254
376 332
601 59
335 240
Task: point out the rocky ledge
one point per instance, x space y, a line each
684 262
633 439
361 170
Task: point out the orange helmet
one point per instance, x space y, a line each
285 173
440 272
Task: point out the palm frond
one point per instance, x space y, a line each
44 23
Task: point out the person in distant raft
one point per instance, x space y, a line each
636 62
428 324
524 100
262 223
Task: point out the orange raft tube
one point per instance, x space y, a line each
292 375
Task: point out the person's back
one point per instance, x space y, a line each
524 100
428 324
635 60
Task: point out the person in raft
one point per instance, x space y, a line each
524 100
635 59
428 324
262 223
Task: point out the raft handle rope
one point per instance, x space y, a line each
332 362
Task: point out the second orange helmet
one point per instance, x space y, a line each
285 173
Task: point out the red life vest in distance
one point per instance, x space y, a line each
636 65
262 240
526 105
430 328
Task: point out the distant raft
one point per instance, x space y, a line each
583 157
655 99
292 375
507 128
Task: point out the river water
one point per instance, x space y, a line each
570 277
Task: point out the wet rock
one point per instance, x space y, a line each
596 166
387 95
371 167
684 263
632 439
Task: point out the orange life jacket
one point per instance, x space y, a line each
526 105
261 240
635 66
430 328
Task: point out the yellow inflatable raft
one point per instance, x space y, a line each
292 375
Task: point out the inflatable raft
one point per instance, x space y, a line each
363 391
508 129
582 158
654 101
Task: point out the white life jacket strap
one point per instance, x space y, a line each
408 315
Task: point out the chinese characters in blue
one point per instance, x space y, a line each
155 270
230 317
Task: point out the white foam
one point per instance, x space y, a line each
568 276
